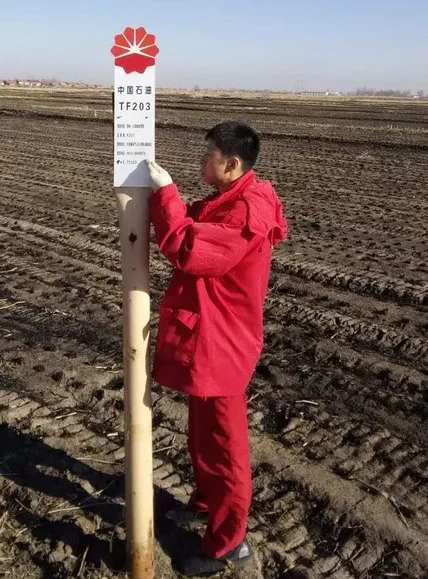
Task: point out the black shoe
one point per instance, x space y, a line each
299 573
202 565
188 517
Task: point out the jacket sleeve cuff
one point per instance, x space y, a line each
161 189
166 202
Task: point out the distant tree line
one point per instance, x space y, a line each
365 91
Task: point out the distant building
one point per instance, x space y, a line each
312 93
27 82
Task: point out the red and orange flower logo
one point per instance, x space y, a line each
134 50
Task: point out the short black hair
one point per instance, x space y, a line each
234 138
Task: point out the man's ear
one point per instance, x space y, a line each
233 163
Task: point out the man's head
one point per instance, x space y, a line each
232 150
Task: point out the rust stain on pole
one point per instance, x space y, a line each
142 558
142 564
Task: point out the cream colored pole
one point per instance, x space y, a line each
134 235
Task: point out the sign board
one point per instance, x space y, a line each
134 106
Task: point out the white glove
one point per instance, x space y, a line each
160 177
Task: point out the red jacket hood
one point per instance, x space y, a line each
265 216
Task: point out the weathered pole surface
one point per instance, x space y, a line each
134 132
134 236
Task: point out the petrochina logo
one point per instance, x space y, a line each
134 50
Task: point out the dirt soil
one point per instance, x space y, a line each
338 406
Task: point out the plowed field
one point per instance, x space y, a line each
339 402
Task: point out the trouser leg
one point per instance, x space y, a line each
220 454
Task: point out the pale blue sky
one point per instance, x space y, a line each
275 44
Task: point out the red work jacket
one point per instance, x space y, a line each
210 333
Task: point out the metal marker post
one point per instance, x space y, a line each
134 130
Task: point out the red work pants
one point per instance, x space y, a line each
219 448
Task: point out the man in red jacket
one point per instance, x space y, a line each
211 328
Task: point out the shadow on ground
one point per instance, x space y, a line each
34 473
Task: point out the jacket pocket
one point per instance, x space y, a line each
177 335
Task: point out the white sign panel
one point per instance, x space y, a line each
134 127
134 106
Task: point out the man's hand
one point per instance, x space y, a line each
160 177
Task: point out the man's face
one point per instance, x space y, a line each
214 165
